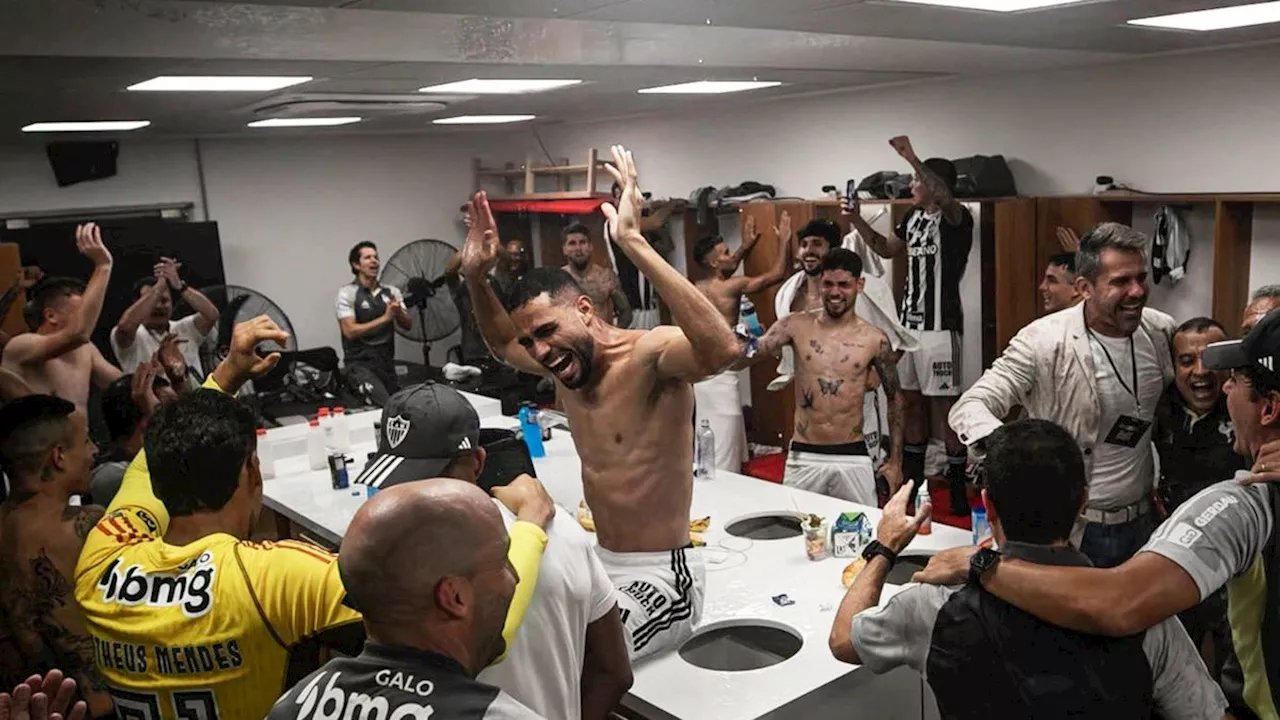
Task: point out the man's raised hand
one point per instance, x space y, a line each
89 243
480 250
783 230
624 220
29 277
902 145
243 361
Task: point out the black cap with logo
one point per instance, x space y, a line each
1260 350
424 427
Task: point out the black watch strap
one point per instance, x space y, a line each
874 548
982 562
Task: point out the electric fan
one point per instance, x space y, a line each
235 305
417 270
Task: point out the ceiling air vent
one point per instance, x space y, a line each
362 105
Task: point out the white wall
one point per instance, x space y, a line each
288 210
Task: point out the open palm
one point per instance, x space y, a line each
480 251
624 220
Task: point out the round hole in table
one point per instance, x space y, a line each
772 525
741 644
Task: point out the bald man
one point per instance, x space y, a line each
434 619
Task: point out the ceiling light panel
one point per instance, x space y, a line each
1222 18
93 126
217 83
708 87
481 119
303 122
477 86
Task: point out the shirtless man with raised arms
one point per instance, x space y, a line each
835 350
629 396
57 358
719 398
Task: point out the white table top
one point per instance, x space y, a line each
743 575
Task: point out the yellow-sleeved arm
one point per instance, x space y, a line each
527 543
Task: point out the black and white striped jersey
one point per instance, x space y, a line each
937 253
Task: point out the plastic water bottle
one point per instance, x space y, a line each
316 456
266 455
922 497
326 424
531 429
747 316
704 455
341 430
981 530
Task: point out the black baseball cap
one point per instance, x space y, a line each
424 427
1260 350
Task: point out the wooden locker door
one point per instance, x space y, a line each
10 262
1011 269
773 412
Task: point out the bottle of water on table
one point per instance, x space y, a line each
704 454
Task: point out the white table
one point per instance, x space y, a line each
742 577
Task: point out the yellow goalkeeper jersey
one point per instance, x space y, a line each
202 631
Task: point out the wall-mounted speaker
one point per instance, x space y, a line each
75 162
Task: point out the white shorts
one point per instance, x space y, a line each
934 369
719 401
841 471
659 596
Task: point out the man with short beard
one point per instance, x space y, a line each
1097 370
629 396
835 350
599 283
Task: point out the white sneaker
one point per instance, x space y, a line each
779 382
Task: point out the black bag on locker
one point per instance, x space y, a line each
984 176
885 185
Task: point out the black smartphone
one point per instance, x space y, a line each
851 192
506 458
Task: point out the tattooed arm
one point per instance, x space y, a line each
70 638
769 346
885 247
941 193
885 364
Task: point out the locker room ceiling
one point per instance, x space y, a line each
63 60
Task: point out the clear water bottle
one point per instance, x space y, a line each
266 455
704 454
341 430
981 529
326 424
317 459
922 497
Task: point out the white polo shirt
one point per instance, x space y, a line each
543 669
146 342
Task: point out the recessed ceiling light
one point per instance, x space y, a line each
481 119
95 126
1216 18
995 5
709 87
218 83
498 87
303 122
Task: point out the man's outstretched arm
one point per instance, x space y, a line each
706 345
952 210
479 254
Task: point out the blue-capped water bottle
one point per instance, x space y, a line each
981 529
531 429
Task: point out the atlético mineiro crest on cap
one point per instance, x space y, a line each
397 429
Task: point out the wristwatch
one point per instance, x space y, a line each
874 548
981 562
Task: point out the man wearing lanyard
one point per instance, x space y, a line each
1098 371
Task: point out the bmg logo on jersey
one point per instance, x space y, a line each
338 702
191 587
